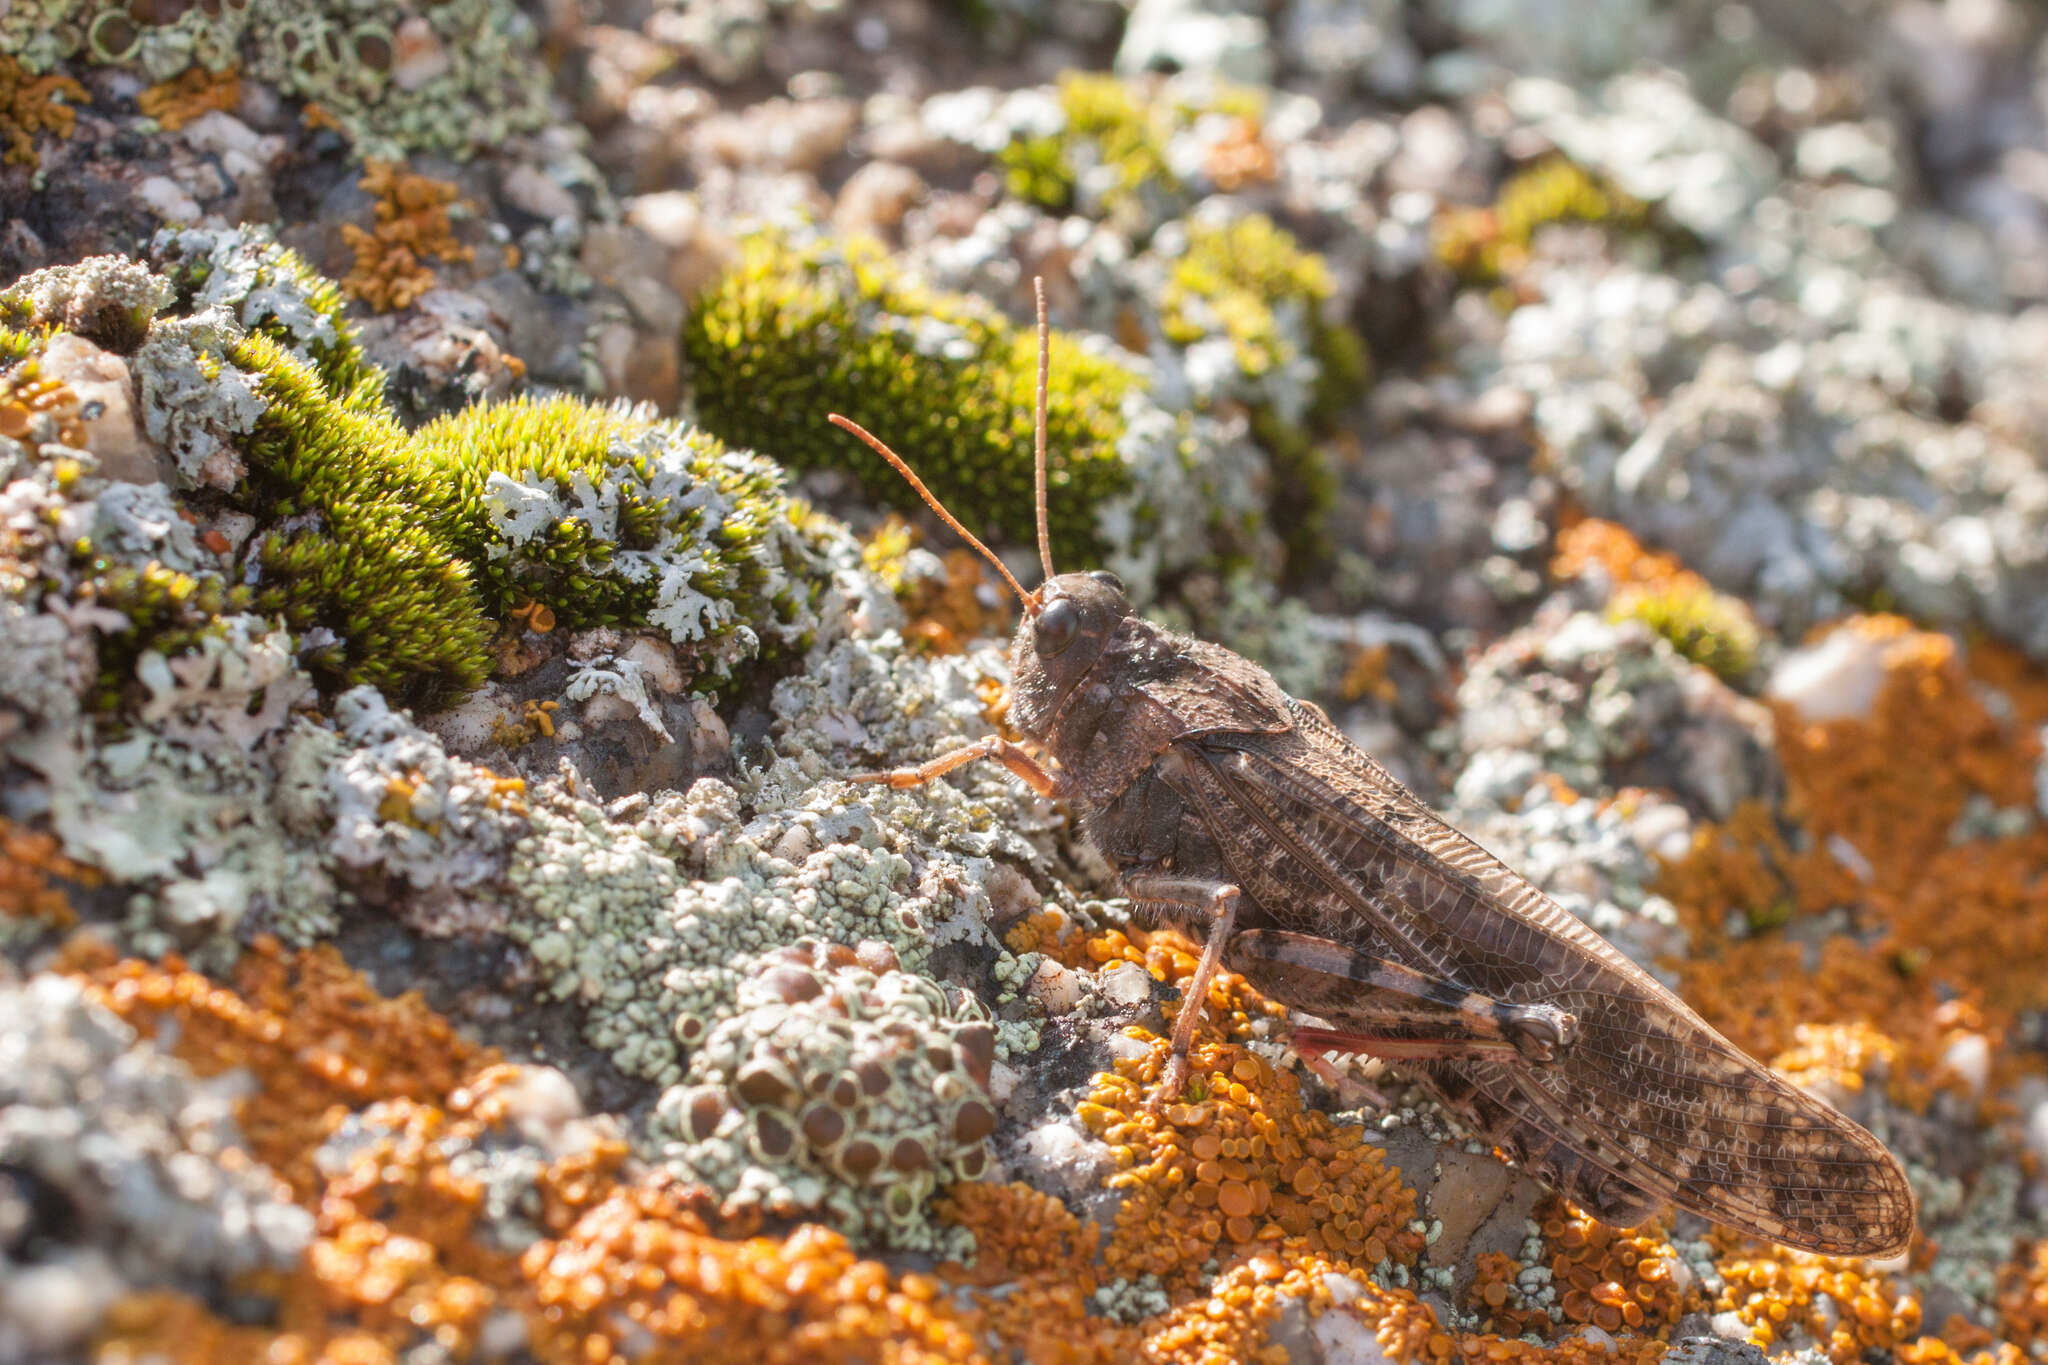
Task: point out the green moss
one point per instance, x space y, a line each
358 545
393 555
1713 630
1238 274
402 550
1486 245
792 333
1107 124
532 519
1035 169
19 343
272 292
392 607
168 612
1343 369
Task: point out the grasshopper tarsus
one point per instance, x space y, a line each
1244 816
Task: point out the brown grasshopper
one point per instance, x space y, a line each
1246 819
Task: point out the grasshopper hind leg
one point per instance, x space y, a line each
1388 1009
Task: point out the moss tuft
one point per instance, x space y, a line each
1486 245
357 547
794 332
272 292
168 612
1107 124
394 556
608 516
1711 629
19 343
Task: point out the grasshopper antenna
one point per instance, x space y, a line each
1038 428
1029 599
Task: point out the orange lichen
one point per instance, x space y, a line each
538 617
2023 1295
317 1037
1171 958
1706 626
1932 1350
30 400
396 1259
536 718
1834 1059
1843 1305
1243 1168
639 1277
316 117
946 611
1241 157
161 1327
1231 1322
1891 783
1365 674
394 1249
1018 1231
1044 1259
1777 1004
176 102
1586 543
947 614
29 860
1744 873
1614 1278
31 104
1498 1302
1408 1330
1049 931
1950 939
412 228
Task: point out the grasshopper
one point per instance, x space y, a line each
1244 818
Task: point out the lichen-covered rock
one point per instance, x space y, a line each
393 76
839 1086
1692 326
122 1171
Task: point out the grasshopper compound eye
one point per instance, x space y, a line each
1056 626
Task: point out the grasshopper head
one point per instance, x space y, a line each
1057 644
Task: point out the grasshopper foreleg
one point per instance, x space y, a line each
1011 756
1394 1011
1211 909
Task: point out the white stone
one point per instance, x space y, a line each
1837 679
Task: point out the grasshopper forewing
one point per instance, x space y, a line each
1242 816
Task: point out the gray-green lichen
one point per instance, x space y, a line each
839 1085
395 76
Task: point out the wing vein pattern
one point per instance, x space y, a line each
1650 1094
